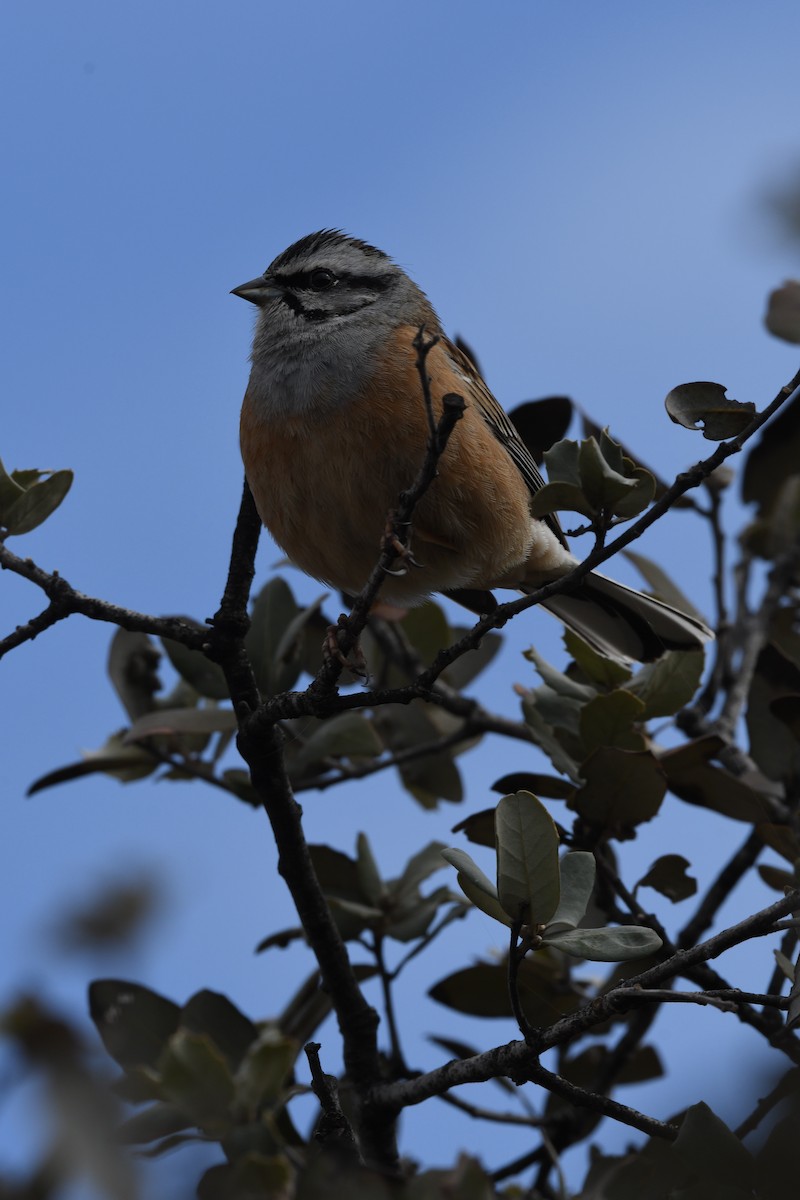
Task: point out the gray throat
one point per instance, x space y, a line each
298 370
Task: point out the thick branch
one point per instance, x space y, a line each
262 750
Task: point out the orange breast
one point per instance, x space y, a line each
325 483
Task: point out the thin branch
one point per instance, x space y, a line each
603 1105
730 875
351 626
456 913
398 1062
786 1086
32 628
344 772
515 957
478 1113
777 979
65 600
725 999
333 1126
720 670
756 634
514 1058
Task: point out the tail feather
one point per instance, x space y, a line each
621 623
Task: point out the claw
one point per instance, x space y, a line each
400 548
355 662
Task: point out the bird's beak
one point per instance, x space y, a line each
257 291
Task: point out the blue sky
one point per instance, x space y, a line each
577 188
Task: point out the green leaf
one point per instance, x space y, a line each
134 1023
621 788
479 826
773 458
427 629
548 786
527 859
133 670
563 462
607 720
783 312
434 776
668 684
606 945
668 876
557 681
37 503
10 491
182 720
776 878
431 779
642 1065
264 1072
661 584
418 868
599 670
368 914
545 989
602 485
695 780
466 866
125 763
369 877
239 782
712 1152
412 918
216 1016
196 1078
487 904
251 1177
560 497
274 610
577 870
337 874
706 406
156 1122
206 677
545 738
347 735
772 744
462 672
542 423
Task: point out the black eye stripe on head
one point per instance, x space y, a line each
301 280
292 301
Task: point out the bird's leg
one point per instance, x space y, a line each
402 549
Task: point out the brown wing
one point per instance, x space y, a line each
503 429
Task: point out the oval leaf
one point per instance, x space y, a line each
38 503
668 876
578 871
182 720
705 405
487 904
527 859
783 312
606 945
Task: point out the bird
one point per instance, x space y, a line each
334 427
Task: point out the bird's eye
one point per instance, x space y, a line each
321 279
